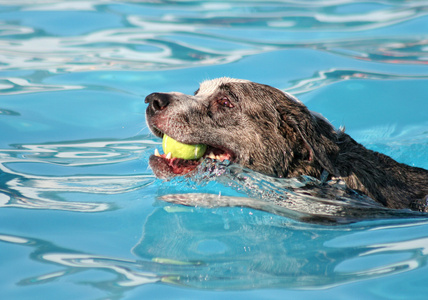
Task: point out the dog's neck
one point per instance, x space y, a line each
379 176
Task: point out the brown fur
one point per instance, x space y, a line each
271 132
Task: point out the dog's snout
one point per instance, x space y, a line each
158 101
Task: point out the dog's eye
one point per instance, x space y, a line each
225 102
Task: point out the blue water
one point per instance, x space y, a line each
81 215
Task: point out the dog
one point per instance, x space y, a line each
270 131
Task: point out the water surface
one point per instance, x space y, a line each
82 216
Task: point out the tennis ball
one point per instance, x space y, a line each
180 150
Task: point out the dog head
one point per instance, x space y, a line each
251 124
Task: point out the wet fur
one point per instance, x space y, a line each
271 132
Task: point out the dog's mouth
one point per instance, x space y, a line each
166 166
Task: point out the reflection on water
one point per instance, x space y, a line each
240 249
83 153
217 248
76 194
15 86
148 36
26 190
128 273
302 198
326 77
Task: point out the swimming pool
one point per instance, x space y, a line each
80 213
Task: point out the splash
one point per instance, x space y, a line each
302 198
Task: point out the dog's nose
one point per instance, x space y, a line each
158 101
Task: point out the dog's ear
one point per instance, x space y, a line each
321 149
317 135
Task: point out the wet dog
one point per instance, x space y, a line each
271 132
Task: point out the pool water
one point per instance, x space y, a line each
82 216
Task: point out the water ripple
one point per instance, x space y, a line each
234 251
220 248
302 198
80 153
192 33
26 190
15 85
326 77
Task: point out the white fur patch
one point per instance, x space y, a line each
291 97
210 86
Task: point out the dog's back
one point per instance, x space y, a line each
393 184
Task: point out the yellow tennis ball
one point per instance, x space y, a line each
180 150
